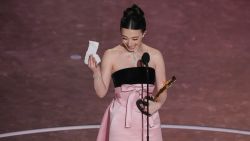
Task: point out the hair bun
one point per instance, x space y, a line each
133 11
137 9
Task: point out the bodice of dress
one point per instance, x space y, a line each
122 119
134 75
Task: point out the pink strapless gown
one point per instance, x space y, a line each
123 121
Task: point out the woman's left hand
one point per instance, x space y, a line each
153 107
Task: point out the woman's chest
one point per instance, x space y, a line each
129 61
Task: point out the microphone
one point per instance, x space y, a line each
145 59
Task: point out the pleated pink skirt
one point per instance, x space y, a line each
123 121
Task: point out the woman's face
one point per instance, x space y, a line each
131 38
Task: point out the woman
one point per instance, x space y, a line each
122 120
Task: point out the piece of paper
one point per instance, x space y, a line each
92 50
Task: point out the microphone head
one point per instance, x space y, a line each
145 58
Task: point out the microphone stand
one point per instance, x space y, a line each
142 96
147 79
145 59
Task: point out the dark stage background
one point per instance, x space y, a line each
205 44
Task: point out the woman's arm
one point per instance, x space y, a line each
101 75
160 79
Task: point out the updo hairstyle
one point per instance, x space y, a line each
133 18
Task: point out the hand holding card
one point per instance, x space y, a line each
92 49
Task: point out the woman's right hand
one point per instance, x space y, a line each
92 64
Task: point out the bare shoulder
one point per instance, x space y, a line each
156 57
155 53
112 53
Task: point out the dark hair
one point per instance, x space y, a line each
133 18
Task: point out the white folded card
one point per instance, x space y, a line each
92 49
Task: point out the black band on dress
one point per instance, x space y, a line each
134 75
